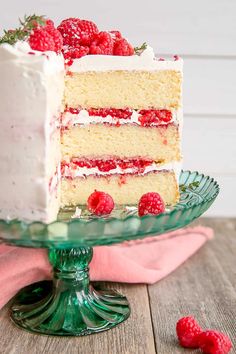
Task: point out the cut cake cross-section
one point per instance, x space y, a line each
122 108
98 119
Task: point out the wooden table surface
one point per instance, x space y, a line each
204 286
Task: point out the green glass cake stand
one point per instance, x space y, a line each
69 305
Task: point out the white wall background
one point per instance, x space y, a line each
204 33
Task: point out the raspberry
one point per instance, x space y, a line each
115 35
113 112
102 43
151 203
41 40
148 118
123 47
75 52
42 36
137 164
82 162
151 117
100 203
176 57
213 342
72 110
77 32
57 37
164 115
188 331
106 165
49 24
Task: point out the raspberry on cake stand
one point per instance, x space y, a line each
69 305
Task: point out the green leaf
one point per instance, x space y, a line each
192 186
22 32
139 50
183 188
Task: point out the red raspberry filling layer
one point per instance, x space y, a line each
147 117
113 112
150 117
137 164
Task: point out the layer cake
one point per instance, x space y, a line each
70 126
121 109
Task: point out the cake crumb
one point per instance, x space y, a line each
77 213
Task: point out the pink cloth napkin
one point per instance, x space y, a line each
142 261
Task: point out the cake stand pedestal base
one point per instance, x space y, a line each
68 306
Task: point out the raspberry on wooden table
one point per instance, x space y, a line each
100 203
188 331
214 342
77 32
151 203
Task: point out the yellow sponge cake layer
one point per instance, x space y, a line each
122 89
160 144
124 189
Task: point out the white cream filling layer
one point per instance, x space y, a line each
145 61
83 118
84 172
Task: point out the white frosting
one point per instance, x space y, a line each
85 171
55 180
83 118
31 87
145 61
48 62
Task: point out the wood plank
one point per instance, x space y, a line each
204 287
209 86
209 147
209 144
128 337
224 205
184 27
224 244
